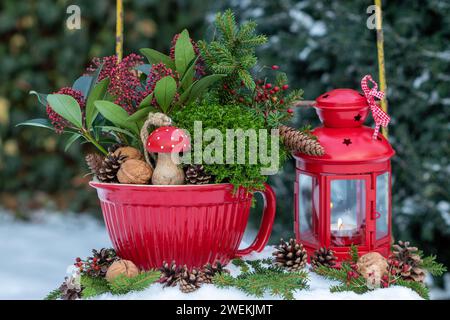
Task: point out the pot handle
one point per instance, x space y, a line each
265 228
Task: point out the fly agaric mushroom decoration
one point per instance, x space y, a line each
168 142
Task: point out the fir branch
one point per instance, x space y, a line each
232 53
93 286
272 279
331 273
435 268
354 255
241 264
226 23
123 284
53 295
418 287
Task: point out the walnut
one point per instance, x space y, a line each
372 264
129 153
135 171
125 267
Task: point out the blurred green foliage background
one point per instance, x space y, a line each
320 44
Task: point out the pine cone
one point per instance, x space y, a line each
103 259
210 270
323 257
406 262
109 167
291 256
169 274
94 162
196 174
115 146
70 289
297 141
189 280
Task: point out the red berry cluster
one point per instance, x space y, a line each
57 121
353 274
90 266
395 270
157 72
271 96
124 79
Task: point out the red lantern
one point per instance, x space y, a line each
344 197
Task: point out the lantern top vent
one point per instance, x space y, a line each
342 108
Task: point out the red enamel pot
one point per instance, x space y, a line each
191 224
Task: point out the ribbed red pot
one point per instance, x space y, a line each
191 224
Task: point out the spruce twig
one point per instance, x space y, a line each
123 284
232 52
271 279
53 295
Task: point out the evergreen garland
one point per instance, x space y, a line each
232 53
359 285
261 279
123 284
95 286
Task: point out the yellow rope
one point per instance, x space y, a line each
380 50
119 30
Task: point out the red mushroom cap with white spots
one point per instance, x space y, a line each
168 140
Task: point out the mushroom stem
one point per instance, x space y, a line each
167 172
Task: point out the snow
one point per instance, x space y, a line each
35 257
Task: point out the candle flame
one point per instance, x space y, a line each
340 224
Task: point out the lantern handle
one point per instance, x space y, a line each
304 103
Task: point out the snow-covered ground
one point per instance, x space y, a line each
35 256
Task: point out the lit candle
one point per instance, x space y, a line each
341 229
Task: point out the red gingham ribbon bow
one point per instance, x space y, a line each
381 118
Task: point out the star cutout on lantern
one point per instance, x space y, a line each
347 142
357 118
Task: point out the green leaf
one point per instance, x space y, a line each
156 57
115 129
147 101
71 140
184 96
41 122
141 114
67 107
98 93
188 77
42 98
165 90
114 113
83 84
201 85
184 52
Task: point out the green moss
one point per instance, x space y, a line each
223 117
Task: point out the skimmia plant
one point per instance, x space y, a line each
110 103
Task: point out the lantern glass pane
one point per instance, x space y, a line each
308 208
382 205
348 212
